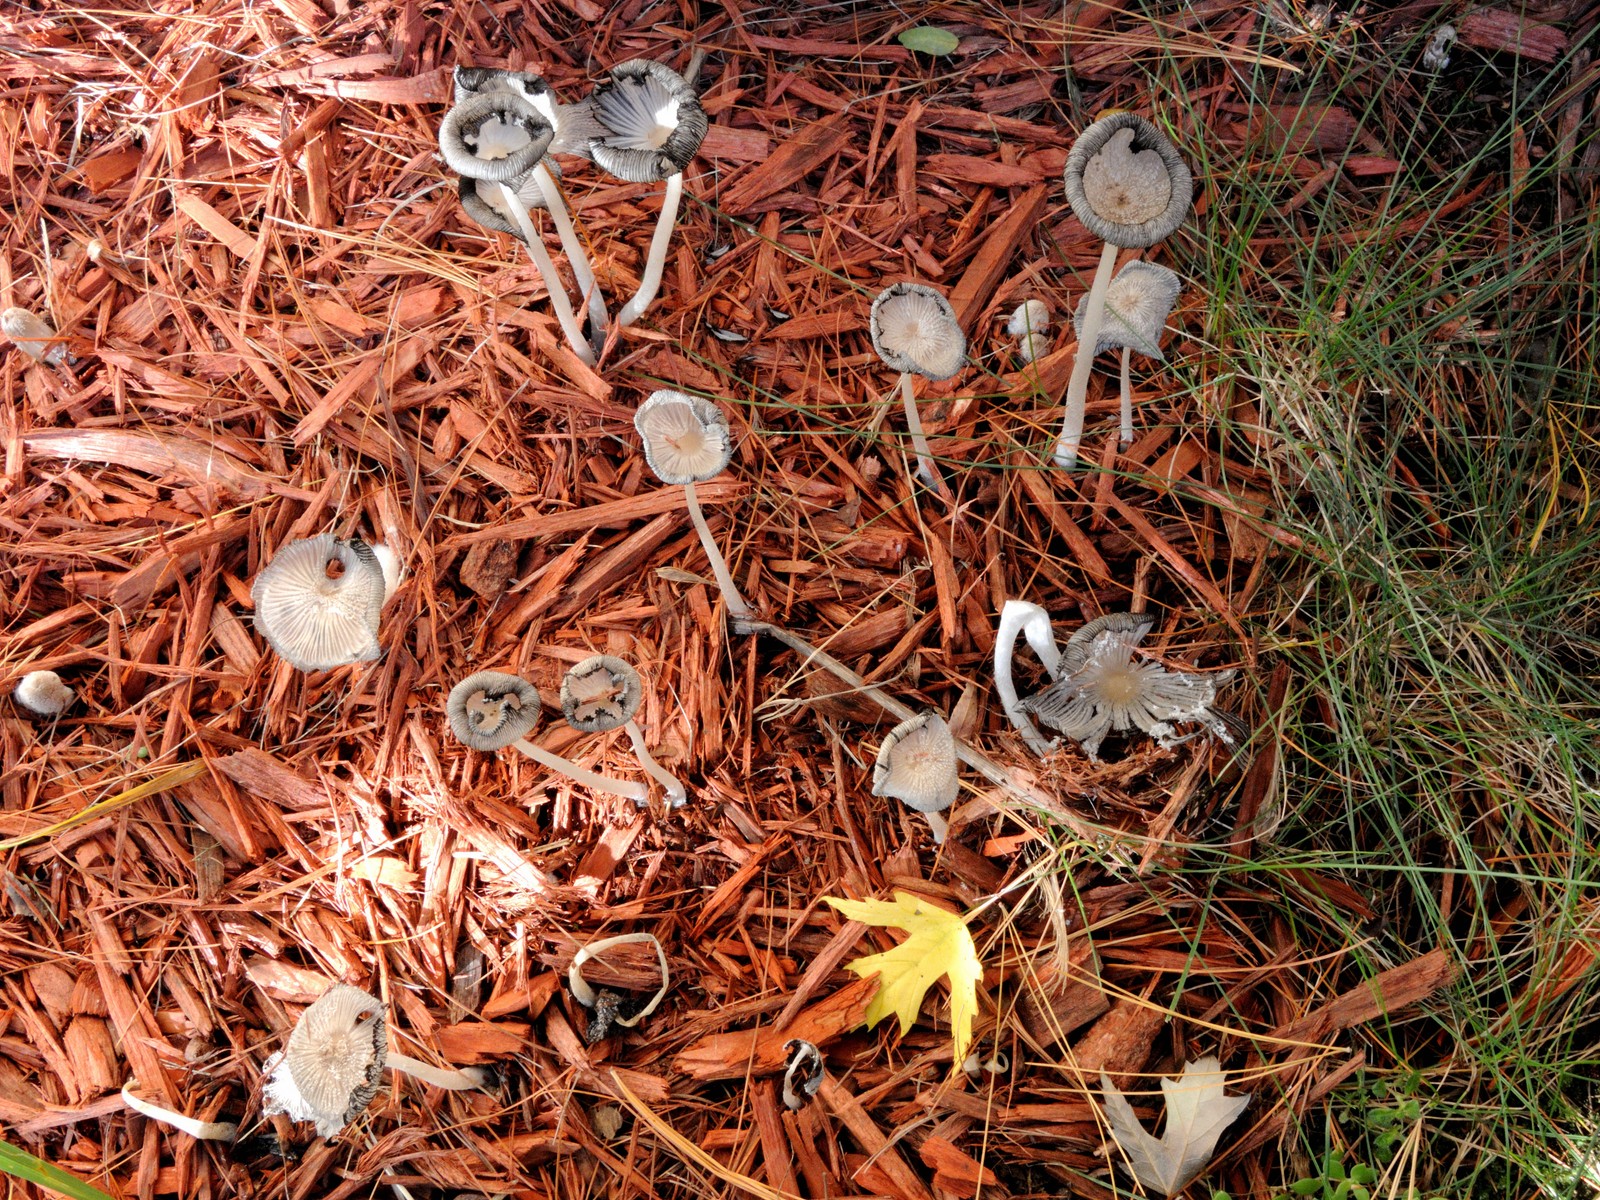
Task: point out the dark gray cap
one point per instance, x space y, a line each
653 122
1127 182
490 710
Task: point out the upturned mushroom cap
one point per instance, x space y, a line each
686 439
917 764
331 1066
1131 627
651 120
490 710
497 136
1137 303
318 602
43 693
915 329
1126 182
600 694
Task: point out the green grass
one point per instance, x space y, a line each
19 1164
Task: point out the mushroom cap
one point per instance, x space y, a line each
1137 303
917 764
651 122
1127 182
481 200
686 439
331 1066
1030 317
1132 627
44 693
498 136
318 602
600 694
573 125
490 710
915 329
33 335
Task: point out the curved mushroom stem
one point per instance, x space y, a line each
464 1080
1127 398
738 610
547 271
637 792
1020 617
919 440
585 995
582 269
1066 455
940 827
650 281
209 1131
677 794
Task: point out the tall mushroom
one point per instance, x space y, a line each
1137 303
687 441
915 330
917 765
603 693
1129 187
653 126
319 600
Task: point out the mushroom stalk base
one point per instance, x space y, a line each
1066 455
926 471
1127 398
940 827
552 281
737 608
637 792
466 1080
582 271
677 794
650 281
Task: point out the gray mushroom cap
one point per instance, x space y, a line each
917 764
1140 297
686 439
496 136
1127 182
318 602
331 1066
652 122
33 335
915 329
572 125
482 201
490 710
600 693
1131 627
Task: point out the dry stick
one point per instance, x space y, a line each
919 439
576 255
738 610
650 281
1066 455
637 792
552 281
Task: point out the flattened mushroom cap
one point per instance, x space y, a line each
497 136
915 329
573 125
917 764
651 120
1130 627
1127 182
600 693
318 602
1137 303
331 1066
686 439
490 710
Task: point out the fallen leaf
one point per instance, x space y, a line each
939 945
1197 1113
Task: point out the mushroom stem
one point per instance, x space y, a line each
585 995
208 1131
919 440
939 825
677 794
1020 617
582 269
1127 398
547 271
637 792
464 1080
737 608
650 281
1066 455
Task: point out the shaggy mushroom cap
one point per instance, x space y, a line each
490 710
43 693
331 1066
651 122
496 136
318 602
917 764
914 329
686 439
1137 303
1126 182
600 694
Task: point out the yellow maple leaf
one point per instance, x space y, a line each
939 945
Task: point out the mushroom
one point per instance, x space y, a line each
498 138
915 330
1137 303
653 125
318 602
34 336
44 693
1027 325
602 693
1031 621
491 710
205 1131
687 441
1103 687
329 1070
1129 187
605 1002
803 1076
917 764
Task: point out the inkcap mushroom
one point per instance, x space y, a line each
917 765
205 1131
1018 617
1137 303
605 1003
1028 324
803 1075
44 693
603 693
34 336
319 600
915 330
1129 186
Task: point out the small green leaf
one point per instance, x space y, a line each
1364 1174
927 39
1305 1187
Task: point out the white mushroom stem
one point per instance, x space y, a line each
585 994
677 794
547 271
207 1131
919 439
637 792
737 608
650 281
1127 398
940 827
1031 621
465 1079
1066 455
582 269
